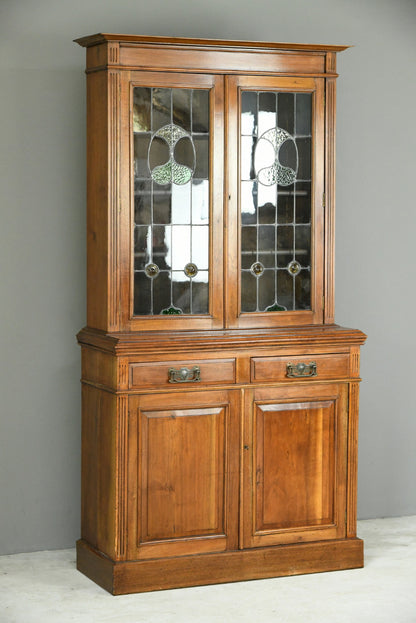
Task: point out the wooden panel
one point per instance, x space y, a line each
270 562
187 473
157 373
294 482
155 57
295 465
99 367
275 368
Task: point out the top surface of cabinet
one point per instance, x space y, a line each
210 183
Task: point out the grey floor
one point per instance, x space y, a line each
45 587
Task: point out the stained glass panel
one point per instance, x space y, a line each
275 200
171 201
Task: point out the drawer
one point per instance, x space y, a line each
300 367
170 373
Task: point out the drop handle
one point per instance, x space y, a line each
299 370
184 375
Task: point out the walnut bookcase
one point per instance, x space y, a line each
220 400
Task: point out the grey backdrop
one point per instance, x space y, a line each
42 246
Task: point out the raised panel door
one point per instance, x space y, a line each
187 470
295 467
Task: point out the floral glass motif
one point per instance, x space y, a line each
276 200
171 171
276 172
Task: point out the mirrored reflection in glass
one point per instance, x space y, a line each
202 157
161 292
162 246
248 258
288 156
181 203
285 289
285 207
142 202
142 246
247 153
200 292
285 112
158 153
161 108
268 259
181 291
184 152
304 149
162 204
303 202
141 146
141 109
181 246
181 108
200 246
200 110
303 244
267 238
267 112
264 157
142 294
303 114
248 238
200 201
248 200
248 292
266 287
303 290
248 112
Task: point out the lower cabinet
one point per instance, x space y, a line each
186 486
185 447
294 464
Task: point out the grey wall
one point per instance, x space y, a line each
42 287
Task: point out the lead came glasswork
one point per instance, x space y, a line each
171 201
275 200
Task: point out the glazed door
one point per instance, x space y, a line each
183 486
275 151
295 450
172 142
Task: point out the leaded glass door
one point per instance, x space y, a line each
275 191
177 171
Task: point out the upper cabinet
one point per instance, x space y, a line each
210 184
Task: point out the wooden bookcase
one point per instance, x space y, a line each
220 400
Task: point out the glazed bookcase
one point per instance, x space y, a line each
219 398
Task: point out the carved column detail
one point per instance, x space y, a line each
114 195
122 461
353 460
113 53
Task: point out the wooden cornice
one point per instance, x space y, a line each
99 38
163 342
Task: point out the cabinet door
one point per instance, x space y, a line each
172 142
183 479
295 444
275 151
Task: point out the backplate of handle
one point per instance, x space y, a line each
299 370
184 375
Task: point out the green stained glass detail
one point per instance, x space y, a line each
171 311
275 308
275 173
172 171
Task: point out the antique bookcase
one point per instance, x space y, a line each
219 399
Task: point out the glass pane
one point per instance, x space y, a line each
200 293
275 200
181 108
171 200
200 111
142 109
161 108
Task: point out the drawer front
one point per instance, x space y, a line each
300 367
169 374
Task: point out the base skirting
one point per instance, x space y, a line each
233 566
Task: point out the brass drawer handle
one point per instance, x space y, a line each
184 375
301 369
